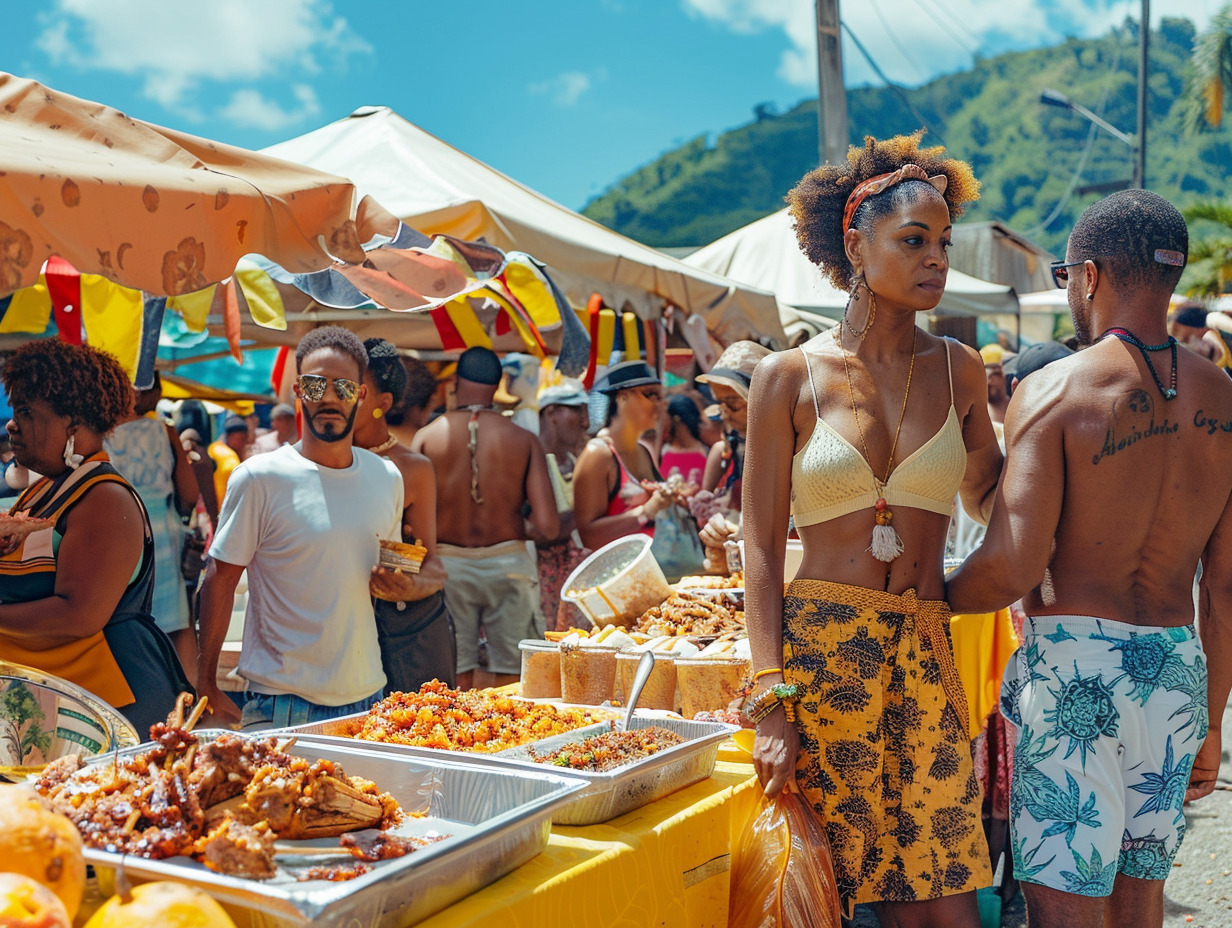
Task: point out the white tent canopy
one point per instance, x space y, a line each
437 189
765 254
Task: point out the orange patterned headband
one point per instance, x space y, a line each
883 182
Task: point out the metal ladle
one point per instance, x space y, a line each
640 676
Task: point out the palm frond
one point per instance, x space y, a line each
1210 74
1211 211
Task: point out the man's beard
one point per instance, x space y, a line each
328 434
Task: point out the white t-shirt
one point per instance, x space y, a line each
309 536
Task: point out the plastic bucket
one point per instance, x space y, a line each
709 684
660 689
617 583
588 676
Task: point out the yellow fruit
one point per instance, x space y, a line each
41 844
25 903
161 905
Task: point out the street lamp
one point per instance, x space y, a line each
1058 99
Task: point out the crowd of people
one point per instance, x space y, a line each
1062 479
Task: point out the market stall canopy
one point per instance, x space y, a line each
765 254
437 189
150 208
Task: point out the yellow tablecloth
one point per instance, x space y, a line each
666 864
982 647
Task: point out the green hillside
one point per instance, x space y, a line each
1024 152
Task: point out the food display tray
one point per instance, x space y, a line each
623 789
607 794
496 815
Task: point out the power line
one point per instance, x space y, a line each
897 90
940 17
894 39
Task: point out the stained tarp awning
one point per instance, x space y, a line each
440 190
765 254
150 208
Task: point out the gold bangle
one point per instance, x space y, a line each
766 672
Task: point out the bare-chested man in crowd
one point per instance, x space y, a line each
488 471
1121 454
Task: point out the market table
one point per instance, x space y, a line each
665 864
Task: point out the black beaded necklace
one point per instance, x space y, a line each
1130 338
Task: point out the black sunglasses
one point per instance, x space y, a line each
1060 272
313 386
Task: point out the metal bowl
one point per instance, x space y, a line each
43 718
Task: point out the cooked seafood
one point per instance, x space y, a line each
690 614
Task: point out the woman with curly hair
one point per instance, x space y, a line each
865 435
75 593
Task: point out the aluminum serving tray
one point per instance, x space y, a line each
496 817
607 794
615 792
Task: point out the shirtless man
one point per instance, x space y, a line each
487 471
1120 454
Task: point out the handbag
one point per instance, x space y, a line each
676 546
192 555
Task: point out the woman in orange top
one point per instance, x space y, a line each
75 595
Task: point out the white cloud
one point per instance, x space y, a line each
251 108
912 42
565 89
174 47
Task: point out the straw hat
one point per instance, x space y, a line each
735 366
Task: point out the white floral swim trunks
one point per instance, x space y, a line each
1110 717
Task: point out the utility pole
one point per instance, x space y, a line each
831 94
1144 39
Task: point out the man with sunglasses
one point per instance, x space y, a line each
489 473
305 521
1116 490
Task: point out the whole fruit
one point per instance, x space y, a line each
25 903
41 844
161 905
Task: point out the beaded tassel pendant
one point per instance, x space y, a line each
886 544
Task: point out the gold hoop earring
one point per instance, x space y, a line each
872 308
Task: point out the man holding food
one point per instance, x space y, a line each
306 521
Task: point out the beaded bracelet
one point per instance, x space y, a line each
765 673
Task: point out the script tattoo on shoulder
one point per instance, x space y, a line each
1212 424
1119 437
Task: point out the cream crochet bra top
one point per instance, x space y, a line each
830 478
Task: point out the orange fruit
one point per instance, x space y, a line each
42 845
25 903
161 905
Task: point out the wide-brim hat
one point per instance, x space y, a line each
625 375
735 366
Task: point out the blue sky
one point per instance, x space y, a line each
566 96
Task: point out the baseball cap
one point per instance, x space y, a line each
1192 316
563 395
734 368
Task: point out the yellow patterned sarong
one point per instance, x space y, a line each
884 756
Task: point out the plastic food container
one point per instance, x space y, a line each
660 689
617 583
540 669
398 555
55 718
588 675
709 684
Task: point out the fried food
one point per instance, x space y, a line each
216 801
734 581
472 720
691 614
381 845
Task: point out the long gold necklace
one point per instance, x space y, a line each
886 544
